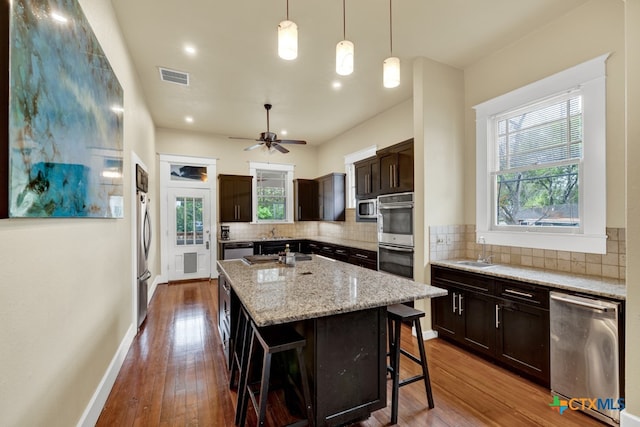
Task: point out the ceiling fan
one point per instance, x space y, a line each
270 139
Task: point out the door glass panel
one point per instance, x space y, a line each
189 224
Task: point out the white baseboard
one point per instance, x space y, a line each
629 420
429 334
94 408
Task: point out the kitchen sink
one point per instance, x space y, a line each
479 264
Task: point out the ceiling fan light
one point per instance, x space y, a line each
288 40
391 72
344 58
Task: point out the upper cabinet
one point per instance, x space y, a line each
390 171
320 199
235 198
306 197
367 181
331 197
396 168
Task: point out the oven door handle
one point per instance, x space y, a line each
400 206
396 248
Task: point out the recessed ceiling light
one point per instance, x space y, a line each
59 18
190 50
188 119
336 85
283 132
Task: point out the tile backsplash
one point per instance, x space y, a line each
459 241
349 229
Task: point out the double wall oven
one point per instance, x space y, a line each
395 234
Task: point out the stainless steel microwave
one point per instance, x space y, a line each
366 210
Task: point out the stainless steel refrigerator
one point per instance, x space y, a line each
143 240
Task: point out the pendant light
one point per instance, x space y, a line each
391 65
344 50
287 38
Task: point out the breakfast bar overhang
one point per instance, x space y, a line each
341 311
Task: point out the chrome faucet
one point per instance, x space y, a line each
482 257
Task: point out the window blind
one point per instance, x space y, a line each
544 134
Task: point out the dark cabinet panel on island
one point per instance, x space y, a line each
505 320
235 198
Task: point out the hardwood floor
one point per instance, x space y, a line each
174 375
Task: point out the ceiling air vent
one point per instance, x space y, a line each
173 76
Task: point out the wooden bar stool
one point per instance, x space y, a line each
396 315
273 339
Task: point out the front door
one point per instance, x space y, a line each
189 234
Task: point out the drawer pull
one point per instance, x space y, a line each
518 293
361 256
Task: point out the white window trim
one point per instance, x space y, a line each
253 166
349 161
590 78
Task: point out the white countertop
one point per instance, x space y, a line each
592 285
273 293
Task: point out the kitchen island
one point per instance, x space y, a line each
341 311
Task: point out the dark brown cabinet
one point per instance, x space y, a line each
331 197
306 198
367 178
506 320
396 168
363 258
235 198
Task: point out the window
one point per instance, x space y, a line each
350 170
272 192
540 167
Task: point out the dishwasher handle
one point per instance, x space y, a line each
582 303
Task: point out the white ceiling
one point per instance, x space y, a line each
236 69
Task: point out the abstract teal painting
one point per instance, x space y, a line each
65 116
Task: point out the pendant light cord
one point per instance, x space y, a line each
287 10
390 29
344 21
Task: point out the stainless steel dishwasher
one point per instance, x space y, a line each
236 250
585 353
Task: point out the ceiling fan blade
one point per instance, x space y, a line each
290 141
279 148
253 147
246 139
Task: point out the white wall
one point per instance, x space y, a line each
387 128
230 152
591 30
65 284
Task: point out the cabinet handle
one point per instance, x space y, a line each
391 175
299 212
454 302
518 293
460 304
497 316
361 256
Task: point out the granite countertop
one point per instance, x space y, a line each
334 240
596 286
273 293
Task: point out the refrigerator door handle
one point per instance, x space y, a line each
146 233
